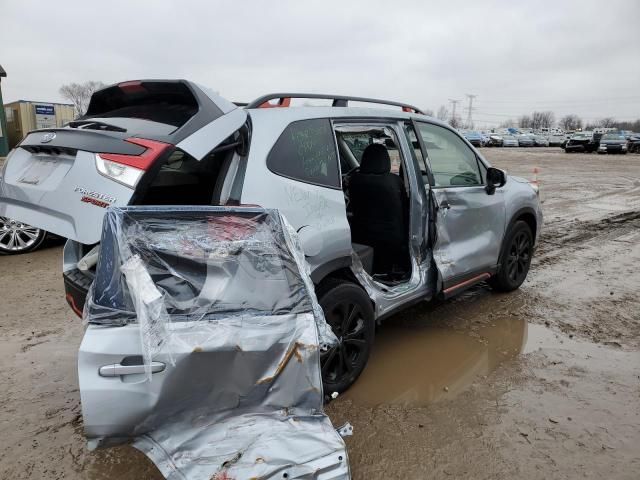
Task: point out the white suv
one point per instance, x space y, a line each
391 206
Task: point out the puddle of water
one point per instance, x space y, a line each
416 366
422 365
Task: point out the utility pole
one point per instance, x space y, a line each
470 109
453 112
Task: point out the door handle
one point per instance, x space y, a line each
117 369
444 204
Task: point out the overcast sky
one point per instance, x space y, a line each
516 56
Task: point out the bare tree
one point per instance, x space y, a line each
570 122
607 122
542 120
510 123
525 121
79 94
455 122
443 113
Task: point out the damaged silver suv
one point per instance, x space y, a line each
391 207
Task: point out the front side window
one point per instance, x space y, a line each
306 151
453 163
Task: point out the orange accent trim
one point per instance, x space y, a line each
72 304
475 279
282 103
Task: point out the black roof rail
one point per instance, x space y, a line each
284 100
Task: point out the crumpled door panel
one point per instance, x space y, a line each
214 314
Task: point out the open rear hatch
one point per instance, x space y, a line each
62 180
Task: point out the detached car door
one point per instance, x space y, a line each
203 346
470 222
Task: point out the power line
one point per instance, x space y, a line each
470 109
453 108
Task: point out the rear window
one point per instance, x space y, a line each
306 151
171 103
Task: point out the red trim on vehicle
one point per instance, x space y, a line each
72 303
282 103
142 161
477 278
134 86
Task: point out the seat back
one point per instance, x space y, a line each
378 202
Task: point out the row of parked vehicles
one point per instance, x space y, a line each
512 139
581 141
610 142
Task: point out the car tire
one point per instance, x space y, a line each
349 312
515 258
17 237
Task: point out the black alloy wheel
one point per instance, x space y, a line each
349 313
515 259
519 257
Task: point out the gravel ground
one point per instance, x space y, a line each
540 383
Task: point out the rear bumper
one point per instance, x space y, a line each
612 149
76 286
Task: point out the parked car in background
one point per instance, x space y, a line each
633 143
540 141
612 143
375 241
509 141
556 140
18 237
524 140
494 140
473 137
582 142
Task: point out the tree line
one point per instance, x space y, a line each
538 120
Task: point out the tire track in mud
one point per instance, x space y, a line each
559 236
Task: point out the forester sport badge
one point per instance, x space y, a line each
47 137
95 198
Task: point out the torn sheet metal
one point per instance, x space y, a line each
220 303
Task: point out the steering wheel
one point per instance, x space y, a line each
464 179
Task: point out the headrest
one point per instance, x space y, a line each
375 159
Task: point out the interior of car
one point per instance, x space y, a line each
377 200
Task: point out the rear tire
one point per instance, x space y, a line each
515 258
348 310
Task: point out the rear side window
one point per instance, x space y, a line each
306 151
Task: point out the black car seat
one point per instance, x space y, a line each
379 203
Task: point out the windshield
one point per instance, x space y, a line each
613 136
581 135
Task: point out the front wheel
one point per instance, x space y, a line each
348 310
515 258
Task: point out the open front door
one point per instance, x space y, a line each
469 222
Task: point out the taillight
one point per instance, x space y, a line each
128 169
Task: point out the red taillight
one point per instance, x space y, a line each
129 169
142 161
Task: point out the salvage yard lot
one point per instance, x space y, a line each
540 383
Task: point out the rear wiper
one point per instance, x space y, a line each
95 125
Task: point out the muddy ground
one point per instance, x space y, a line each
540 383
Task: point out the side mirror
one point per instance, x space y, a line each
496 178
